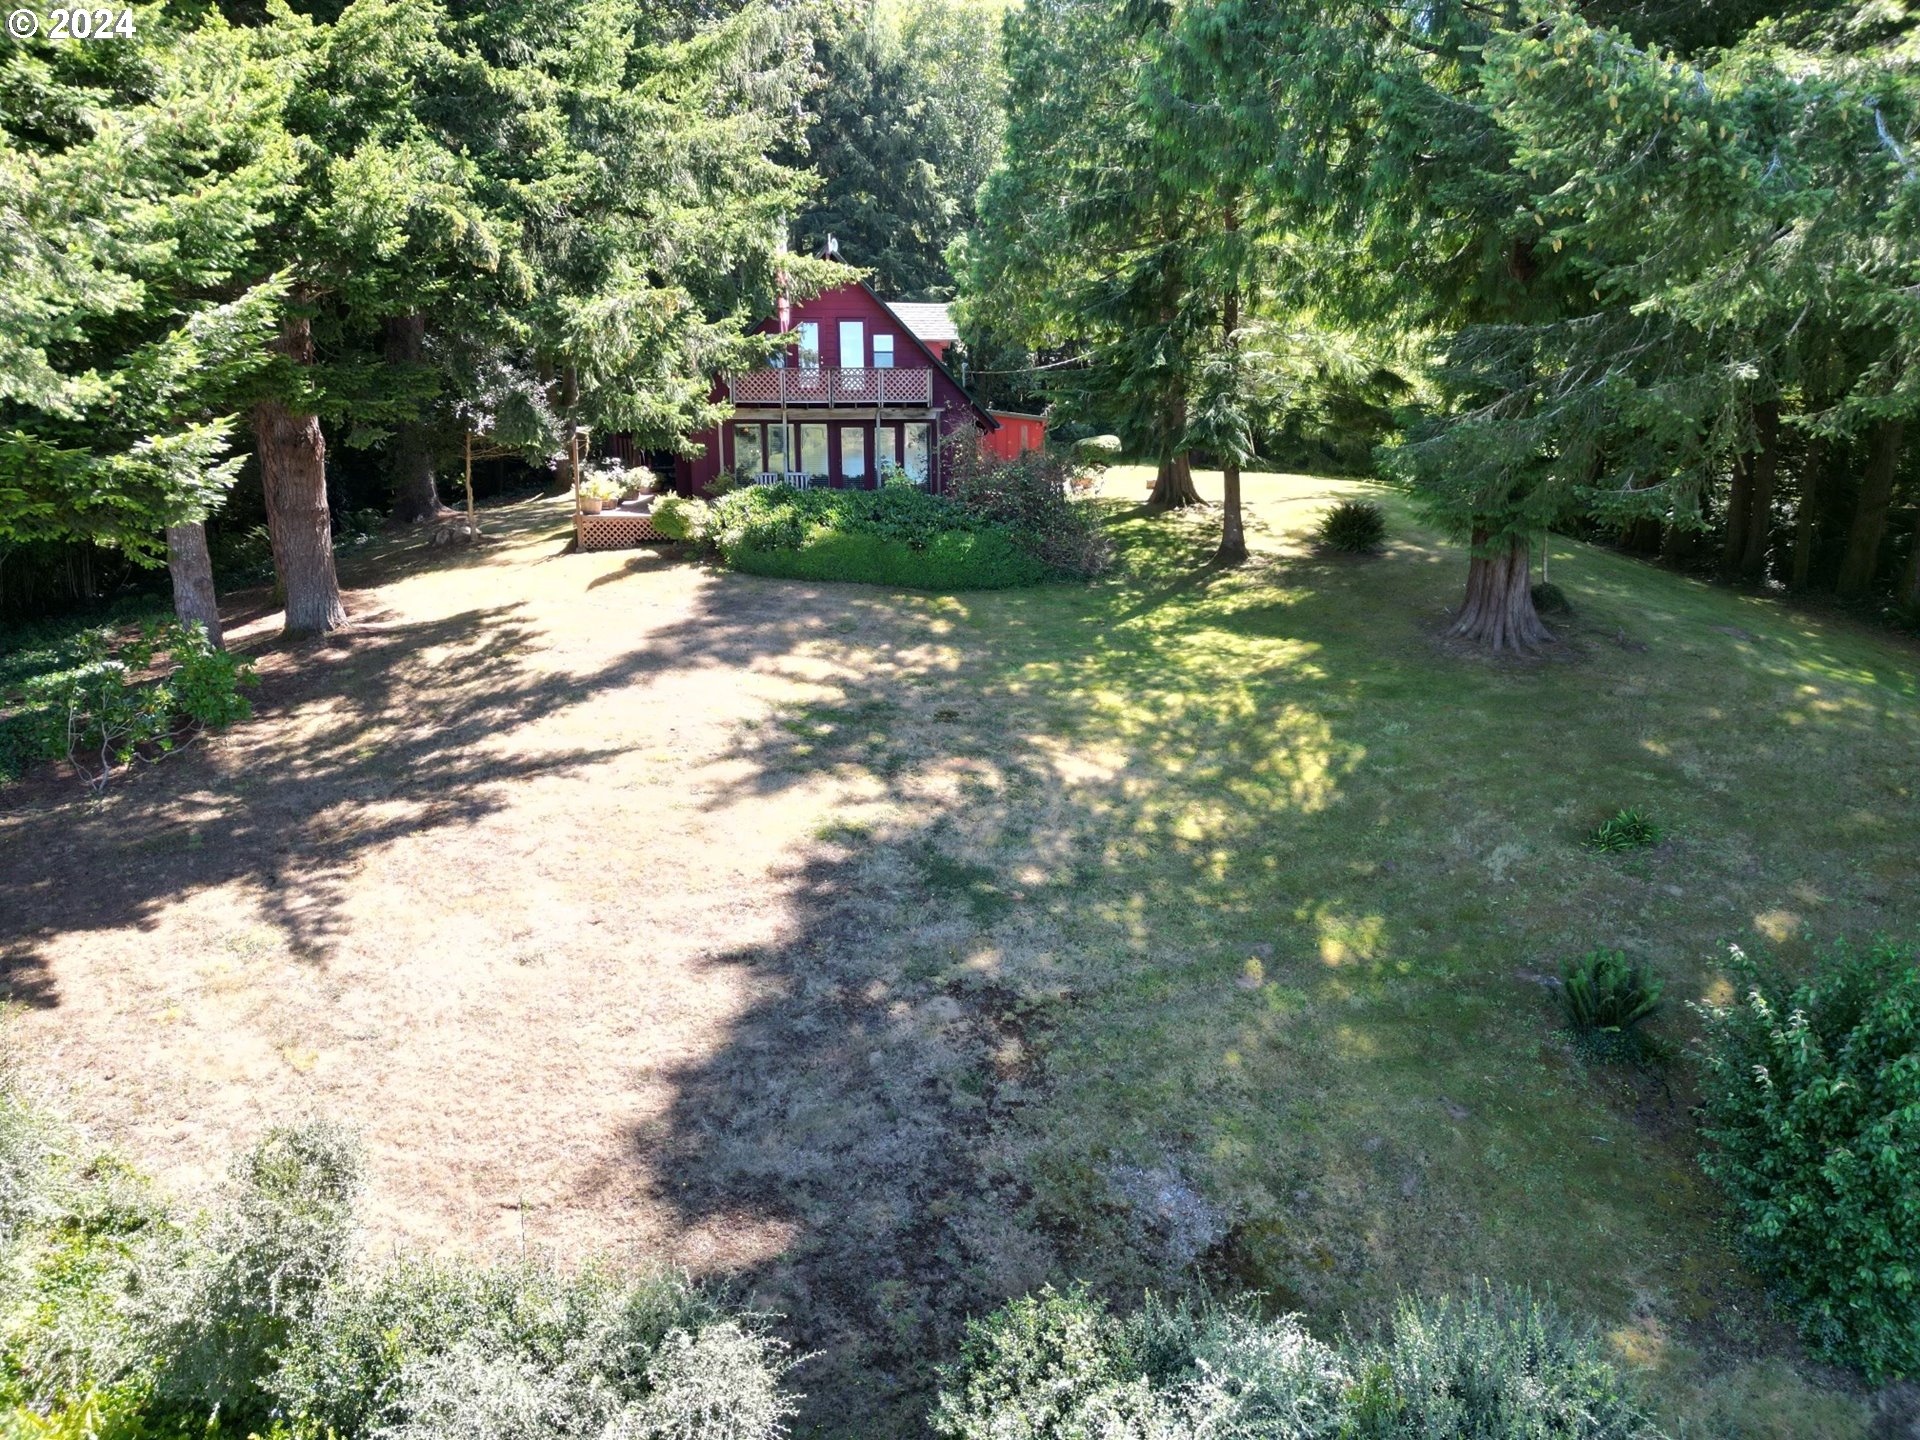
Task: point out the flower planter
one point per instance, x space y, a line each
589 507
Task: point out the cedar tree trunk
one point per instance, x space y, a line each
1498 612
1173 484
1733 534
192 571
1806 513
293 474
1762 469
1870 514
410 453
1233 537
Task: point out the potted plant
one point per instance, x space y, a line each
596 491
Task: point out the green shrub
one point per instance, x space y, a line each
98 707
1624 830
233 1295
431 1349
1493 1366
1096 451
1550 599
1031 495
1811 1103
893 536
1356 527
117 1322
1605 996
1056 1365
680 518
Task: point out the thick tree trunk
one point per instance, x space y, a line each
1173 484
191 569
1763 468
410 452
293 474
1910 590
1806 511
1679 544
1733 534
1870 513
1498 612
1233 535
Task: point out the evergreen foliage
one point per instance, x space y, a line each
1811 1098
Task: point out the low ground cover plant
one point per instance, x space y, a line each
1606 997
1491 1366
121 1316
108 700
1811 1104
1623 831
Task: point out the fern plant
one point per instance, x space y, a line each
1355 526
1623 831
1606 994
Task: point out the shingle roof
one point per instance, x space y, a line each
928 322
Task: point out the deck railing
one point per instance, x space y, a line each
832 387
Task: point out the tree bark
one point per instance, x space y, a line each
416 499
293 475
1870 513
1733 534
1173 483
1763 469
1498 611
1910 591
191 569
1233 535
1806 511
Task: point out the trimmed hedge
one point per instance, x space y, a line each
897 535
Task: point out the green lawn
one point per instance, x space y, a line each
1276 878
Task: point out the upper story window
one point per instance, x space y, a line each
809 344
883 352
853 345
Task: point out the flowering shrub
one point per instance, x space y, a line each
679 518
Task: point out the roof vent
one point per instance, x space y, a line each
831 250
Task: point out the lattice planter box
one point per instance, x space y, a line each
615 530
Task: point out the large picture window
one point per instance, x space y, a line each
886 449
810 457
853 452
777 449
919 463
746 448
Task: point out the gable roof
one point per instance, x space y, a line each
927 322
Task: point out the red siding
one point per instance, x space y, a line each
1017 435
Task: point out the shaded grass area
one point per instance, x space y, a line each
1264 888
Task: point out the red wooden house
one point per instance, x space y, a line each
864 389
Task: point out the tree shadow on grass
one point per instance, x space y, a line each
372 735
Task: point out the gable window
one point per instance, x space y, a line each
883 352
853 345
809 344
